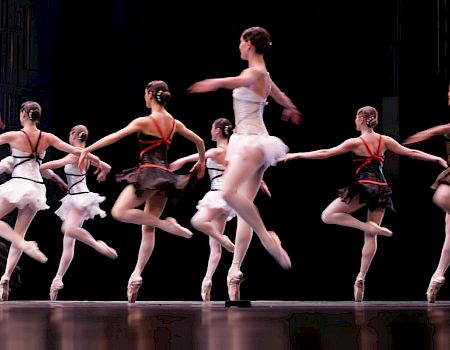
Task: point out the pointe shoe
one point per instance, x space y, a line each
176 229
433 288
134 283
277 251
226 242
234 280
376 229
4 289
358 289
55 287
107 250
31 249
206 290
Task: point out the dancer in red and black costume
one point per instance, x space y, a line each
151 183
369 189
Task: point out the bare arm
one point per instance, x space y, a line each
199 143
346 146
290 111
133 127
180 162
395 147
246 78
428 133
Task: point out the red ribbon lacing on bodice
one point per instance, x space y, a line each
155 143
373 156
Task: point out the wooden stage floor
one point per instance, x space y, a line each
277 325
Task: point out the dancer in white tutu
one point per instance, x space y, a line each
78 205
213 212
251 149
25 190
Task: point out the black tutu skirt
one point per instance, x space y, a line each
157 179
374 196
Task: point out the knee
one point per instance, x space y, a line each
116 213
227 194
197 223
326 217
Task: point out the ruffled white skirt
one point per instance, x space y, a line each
24 193
213 199
272 146
89 203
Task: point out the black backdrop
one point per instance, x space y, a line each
330 57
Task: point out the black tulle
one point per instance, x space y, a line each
374 196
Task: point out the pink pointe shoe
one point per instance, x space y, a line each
107 251
433 288
277 251
234 280
206 290
358 289
4 289
55 287
375 229
134 283
31 249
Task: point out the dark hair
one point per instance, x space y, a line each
81 131
32 109
370 116
160 91
259 37
225 127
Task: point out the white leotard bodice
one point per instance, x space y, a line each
248 111
76 180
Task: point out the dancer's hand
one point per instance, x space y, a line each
199 168
291 114
288 157
264 188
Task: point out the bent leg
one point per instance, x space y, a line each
338 213
205 220
125 210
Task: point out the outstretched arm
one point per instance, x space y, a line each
428 133
131 128
394 146
180 162
246 78
346 146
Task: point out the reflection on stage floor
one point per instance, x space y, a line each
195 325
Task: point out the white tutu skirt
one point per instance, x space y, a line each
272 146
24 193
213 199
89 203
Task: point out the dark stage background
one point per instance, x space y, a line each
89 63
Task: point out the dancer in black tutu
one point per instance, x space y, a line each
370 188
151 183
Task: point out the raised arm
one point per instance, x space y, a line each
393 146
428 133
346 146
